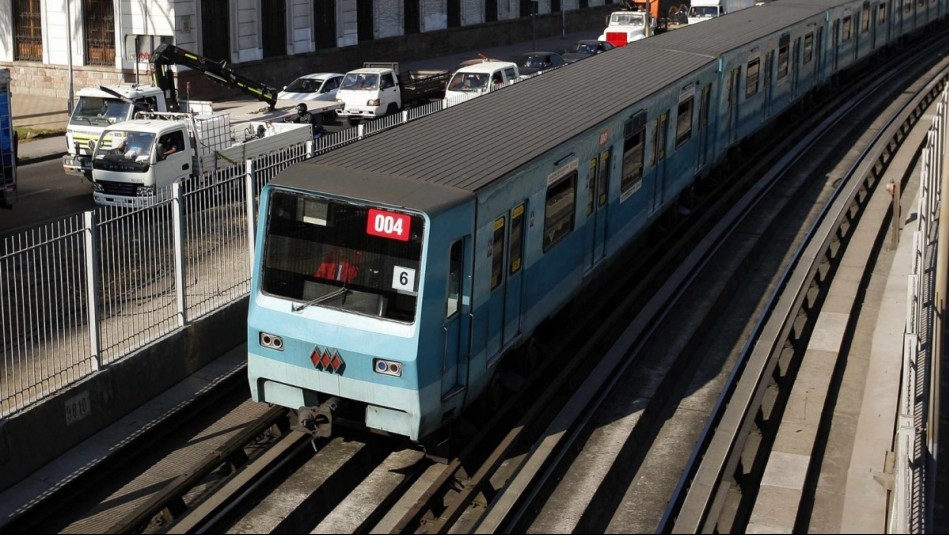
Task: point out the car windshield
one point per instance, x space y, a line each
100 111
304 85
118 146
626 19
361 81
532 61
585 48
340 255
703 11
468 81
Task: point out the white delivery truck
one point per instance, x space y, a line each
379 89
624 27
478 79
135 162
702 10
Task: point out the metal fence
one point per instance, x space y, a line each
918 411
84 292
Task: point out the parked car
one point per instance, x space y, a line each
586 48
478 79
474 61
530 63
317 86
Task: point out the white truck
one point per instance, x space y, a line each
135 162
702 10
97 108
624 27
379 89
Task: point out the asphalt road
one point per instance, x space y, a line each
46 194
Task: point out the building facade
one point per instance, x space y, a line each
52 44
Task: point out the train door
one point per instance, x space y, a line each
597 189
515 261
660 133
457 326
768 78
731 126
702 140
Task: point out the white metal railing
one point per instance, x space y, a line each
91 289
915 440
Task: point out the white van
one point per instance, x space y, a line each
477 79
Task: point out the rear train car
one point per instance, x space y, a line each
393 275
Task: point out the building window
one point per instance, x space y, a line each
98 23
28 33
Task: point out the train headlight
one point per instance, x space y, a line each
387 367
271 340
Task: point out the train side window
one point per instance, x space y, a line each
733 84
634 149
591 184
603 177
454 278
684 121
706 103
497 253
784 50
559 210
808 48
908 6
517 237
865 18
881 13
846 31
751 80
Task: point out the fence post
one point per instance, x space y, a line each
92 288
177 211
249 191
405 116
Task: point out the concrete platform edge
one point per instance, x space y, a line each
38 435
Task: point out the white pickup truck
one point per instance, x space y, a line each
379 89
135 162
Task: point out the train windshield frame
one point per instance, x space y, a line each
342 255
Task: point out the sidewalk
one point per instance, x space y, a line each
49 113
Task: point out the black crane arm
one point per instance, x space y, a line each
166 55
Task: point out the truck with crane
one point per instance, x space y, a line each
98 108
135 162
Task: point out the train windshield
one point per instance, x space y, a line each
351 257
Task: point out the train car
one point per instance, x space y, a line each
393 275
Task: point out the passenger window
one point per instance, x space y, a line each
881 13
517 237
559 210
751 81
684 121
908 6
497 253
784 46
387 81
847 29
634 149
454 279
865 18
602 177
808 48
706 103
591 185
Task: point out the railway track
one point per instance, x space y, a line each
605 441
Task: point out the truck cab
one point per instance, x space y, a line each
624 27
368 93
95 110
133 162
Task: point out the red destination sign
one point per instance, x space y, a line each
388 225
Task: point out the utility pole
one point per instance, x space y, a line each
69 102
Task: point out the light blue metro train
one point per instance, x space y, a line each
393 275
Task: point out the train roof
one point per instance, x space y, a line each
470 145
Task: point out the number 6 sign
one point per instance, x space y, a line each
403 279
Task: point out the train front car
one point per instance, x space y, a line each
339 320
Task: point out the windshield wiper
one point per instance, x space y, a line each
321 299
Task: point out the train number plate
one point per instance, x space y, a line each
388 225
